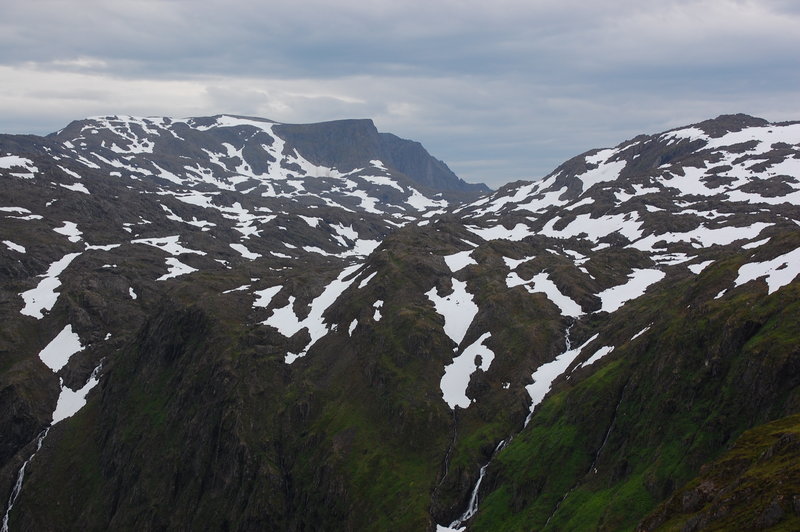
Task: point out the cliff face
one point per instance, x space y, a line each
228 323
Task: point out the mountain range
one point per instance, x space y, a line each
228 323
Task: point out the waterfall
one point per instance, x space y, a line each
20 477
472 507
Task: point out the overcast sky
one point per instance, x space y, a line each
499 90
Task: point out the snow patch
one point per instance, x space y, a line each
421 202
514 263
237 289
697 268
457 309
176 268
499 232
264 297
361 248
169 244
70 230
545 374
366 280
627 224
457 374
688 133
14 247
756 244
69 172
638 281
638 334
442 528
310 220
600 353
202 224
541 283
287 322
44 296
460 260
70 401
703 236
547 199
76 187
382 181
13 161
778 272
101 247
605 172
57 353
244 252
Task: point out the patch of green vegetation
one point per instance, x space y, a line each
468 448
678 395
613 508
528 492
387 476
753 485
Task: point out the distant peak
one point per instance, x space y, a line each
716 127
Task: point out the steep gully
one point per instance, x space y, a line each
592 467
70 401
20 478
472 506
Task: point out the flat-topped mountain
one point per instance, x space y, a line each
229 323
258 156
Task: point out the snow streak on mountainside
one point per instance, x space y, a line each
320 325
673 196
212 155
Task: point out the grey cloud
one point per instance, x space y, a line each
323 38
500 91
